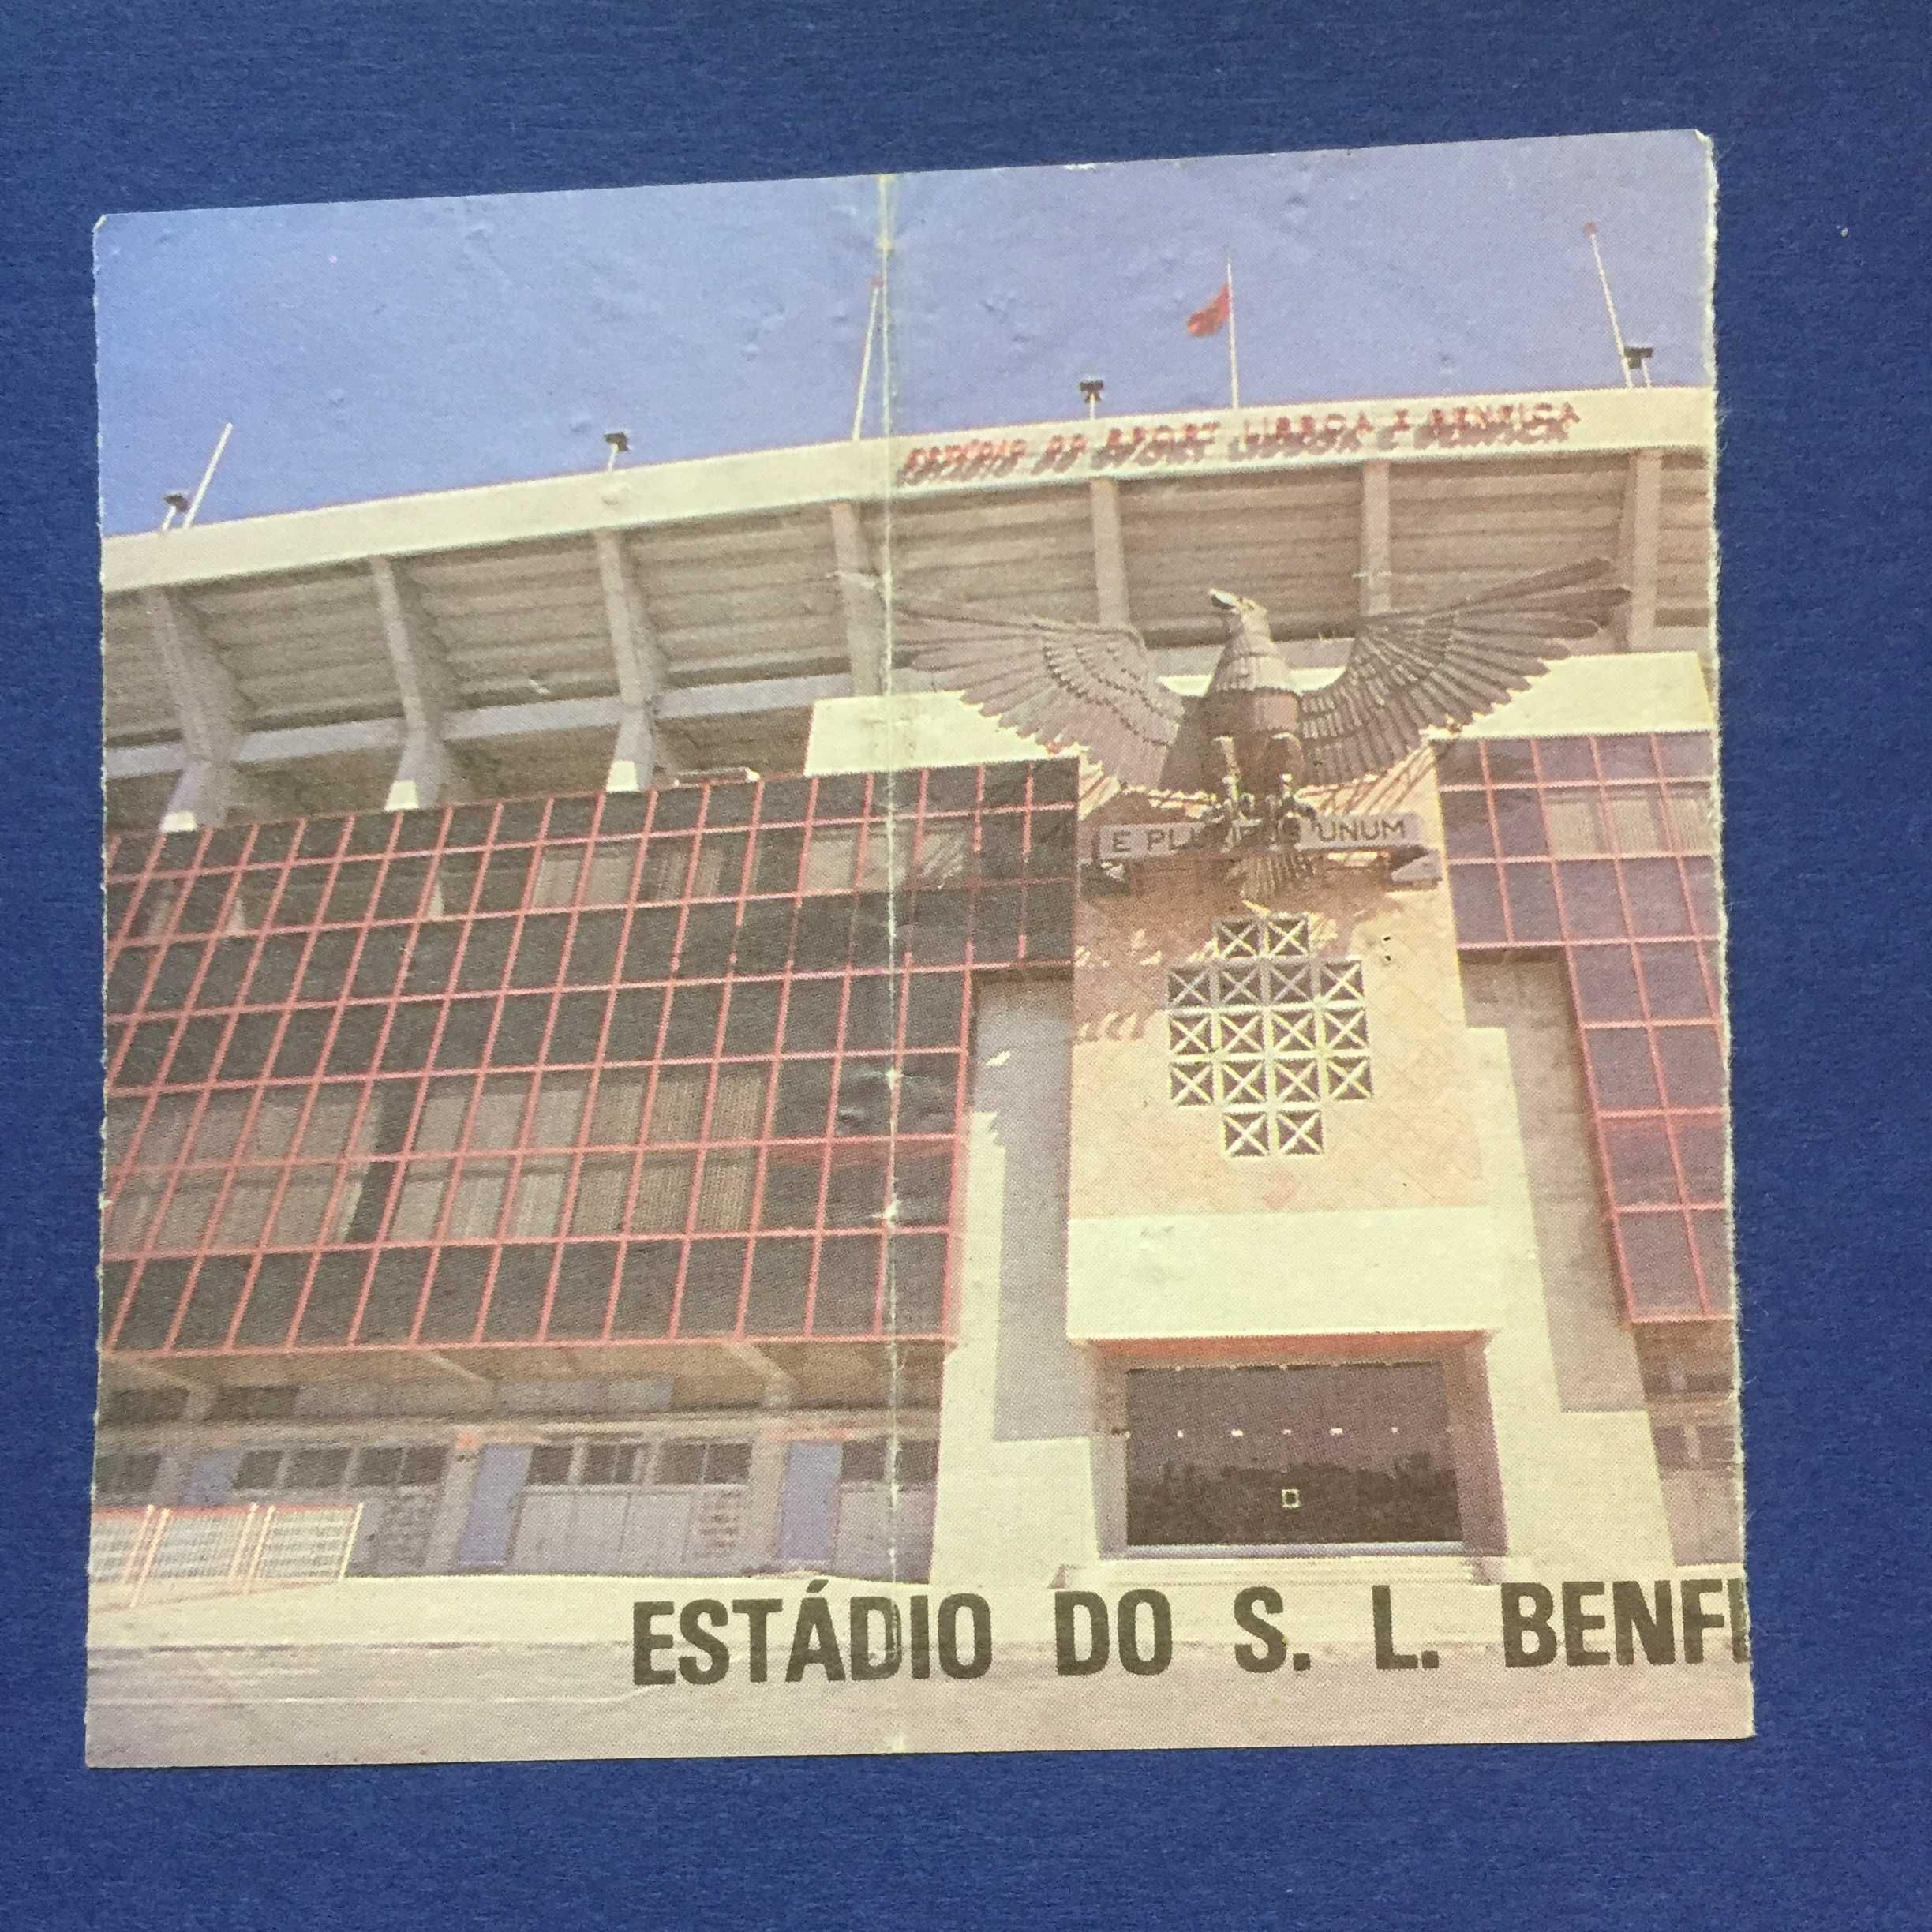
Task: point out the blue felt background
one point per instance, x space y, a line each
1822 320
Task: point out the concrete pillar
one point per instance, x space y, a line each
864 613
1109 550
1639 544
1021 1404
640 666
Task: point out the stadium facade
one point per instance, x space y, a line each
609 1073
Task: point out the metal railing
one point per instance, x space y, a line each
137 1555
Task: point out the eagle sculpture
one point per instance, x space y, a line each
1252 733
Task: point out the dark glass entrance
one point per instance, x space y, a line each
1354 1453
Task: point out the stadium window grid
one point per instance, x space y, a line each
1645 977
950 808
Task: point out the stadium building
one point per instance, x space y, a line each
608 1074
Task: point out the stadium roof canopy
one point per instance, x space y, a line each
711 603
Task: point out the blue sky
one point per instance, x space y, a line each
369 348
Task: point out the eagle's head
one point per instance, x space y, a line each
1238 612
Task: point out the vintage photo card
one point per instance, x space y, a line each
917 964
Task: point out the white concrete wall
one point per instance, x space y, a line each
1021 1405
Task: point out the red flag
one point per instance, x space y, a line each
1213 319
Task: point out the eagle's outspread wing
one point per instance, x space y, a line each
1093 685
1412 669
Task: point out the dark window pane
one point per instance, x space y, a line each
357 1032
520 1030
395 1288
1620 1058
823 937
841 797
781 1274
751 1020
812 1015
652 941
1050 922
855 1189
804 1099
578 1028
377 1469
711 1288
1713 1245
273 980
272 841
505 876
1592 907
775 861
455 1293
368 832
1701 1151
421 1467
875 943
864 1097
300 1051
328 971
995 926
1565 759
863 1461
690 1032
928 1093
271 1301
522 819
677 807
583 1290
936 927
709 932
411 1028
1674 981
1640 1171
380 960
1656 900
352 893
1509 761
321 838
315 1469
486 953
1685 754
791 1196
1693 1065
211 1307
333 1294
729 804
764 937
517 1297
933 1004
466 1031
1626 758
301 902
632 1034
847 1300
1459 763
1605 981
432 954
195 1050
915 1283
594 948
1532 903
570 818
922 1186
471 825
125 979
141 1065
1478 900
647 1288
1657 1260
871 1013
150 1311
540 952
173 983
1052 845
249 1045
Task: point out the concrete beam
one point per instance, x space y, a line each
1109 552
1376 578
865 617
781 1388
425 774
1637 545
641 673
208 706
286 744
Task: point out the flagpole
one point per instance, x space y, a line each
1233 358
1616 333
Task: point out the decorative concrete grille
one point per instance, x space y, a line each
1268 1032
